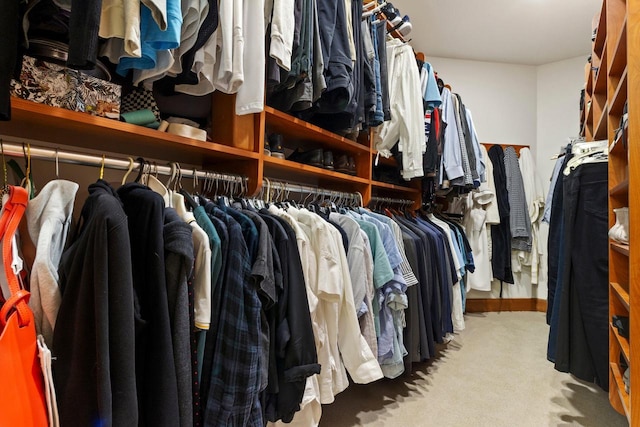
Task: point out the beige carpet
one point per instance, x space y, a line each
495 373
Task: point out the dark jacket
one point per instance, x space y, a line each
155 365
295 344
178 258
501 233
84 24
93 342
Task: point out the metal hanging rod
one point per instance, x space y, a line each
270 185
69 157
386 200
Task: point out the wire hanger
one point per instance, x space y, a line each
101 168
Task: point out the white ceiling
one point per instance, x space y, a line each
531 32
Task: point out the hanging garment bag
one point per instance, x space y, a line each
22 398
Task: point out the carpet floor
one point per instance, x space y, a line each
495 373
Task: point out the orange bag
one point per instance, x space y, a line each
22 398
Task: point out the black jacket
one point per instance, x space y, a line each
501 233
155 366
93 342
296 356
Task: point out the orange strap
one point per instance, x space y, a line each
13 210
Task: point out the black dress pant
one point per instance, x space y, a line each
582 341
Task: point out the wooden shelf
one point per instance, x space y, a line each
620 248
617 147
623 53
601 35
619 55
619 384
622 189
600 85
620 96
300 131
622 294
54 125
273 164
590 80
622 341
399 188
600 131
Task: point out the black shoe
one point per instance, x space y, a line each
277 150
267 147
327 160
312 157
342 164
352 166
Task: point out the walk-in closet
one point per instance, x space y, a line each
335 213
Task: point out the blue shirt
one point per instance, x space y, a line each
431 94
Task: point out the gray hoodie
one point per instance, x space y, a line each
48 219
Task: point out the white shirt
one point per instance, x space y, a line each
220 63
250 97
201 273
282 25
407 117
475 225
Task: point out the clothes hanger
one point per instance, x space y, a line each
177 198
157 186
124 178
142 164
599 154
57 164
223 200
101 168
188 199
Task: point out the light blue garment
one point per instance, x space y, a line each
388 240
407 272
395 301
451 161
382 271
546 217
431 94
153 38
391 301
480 161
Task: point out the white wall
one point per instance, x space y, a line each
520 104
558 119
502 97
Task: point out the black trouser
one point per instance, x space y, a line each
583 326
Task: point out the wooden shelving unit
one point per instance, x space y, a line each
237 146
621 33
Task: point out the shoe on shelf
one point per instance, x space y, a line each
342 164
267 148
392 13
327 160
352 166
275 141
313 157
405 26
